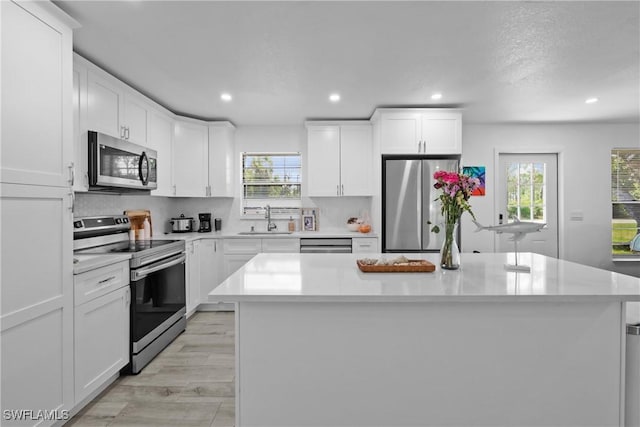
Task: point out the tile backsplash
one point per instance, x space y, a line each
333 211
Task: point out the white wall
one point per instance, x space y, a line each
584 181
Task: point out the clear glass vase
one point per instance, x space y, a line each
450 253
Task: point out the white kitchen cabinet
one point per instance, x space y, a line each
211 266
36 296
190 159
419 131
101 340
104 104
37 127
339 160
80 138
323 161
221 160
364 245
114 109
193 276
160 138
279 245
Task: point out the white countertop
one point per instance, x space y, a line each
482 277
86 262
194 235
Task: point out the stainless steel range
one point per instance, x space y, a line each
157 269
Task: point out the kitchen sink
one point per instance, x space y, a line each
263 233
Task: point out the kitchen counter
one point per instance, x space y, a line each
194 235
336 277
475 346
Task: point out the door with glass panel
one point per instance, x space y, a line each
528 190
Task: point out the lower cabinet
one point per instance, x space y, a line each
101 340
211 268
193 276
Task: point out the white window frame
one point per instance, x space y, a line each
280 208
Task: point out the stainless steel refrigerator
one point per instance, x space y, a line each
409 203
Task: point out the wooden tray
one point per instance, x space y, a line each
415 266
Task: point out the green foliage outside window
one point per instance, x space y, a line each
625 200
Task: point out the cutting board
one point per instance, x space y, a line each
137 216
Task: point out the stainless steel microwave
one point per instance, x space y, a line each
118 165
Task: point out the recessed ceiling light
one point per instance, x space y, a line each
334 97
225 97
436 96
591 101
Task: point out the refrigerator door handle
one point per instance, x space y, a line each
419 202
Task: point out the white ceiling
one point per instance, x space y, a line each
500 61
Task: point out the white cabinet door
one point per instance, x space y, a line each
36 297
190 157
356 161
37 133
323 161
104 105
400 133
441 133
80 138
221 160
211 266
193 276
160 137
101 340
135 119
281 245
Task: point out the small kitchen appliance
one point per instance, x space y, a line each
205 222
120 166
157 282
182 224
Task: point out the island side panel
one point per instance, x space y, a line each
402 364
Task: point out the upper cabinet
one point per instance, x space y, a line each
113 110
190 159
221 159
339 159
160 138
419 131
37 82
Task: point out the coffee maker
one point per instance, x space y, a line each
205 222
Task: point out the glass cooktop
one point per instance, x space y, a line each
127 247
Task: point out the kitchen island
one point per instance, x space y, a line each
320 343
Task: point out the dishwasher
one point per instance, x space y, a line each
325 245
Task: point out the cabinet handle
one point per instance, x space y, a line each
122 132
174 190
126 132
342 190
127 297
337 190
108 279
424 146
72 174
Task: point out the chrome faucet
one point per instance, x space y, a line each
270 225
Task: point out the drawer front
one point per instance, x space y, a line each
101 281
364 245
242 246
281 245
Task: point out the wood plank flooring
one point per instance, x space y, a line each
191 383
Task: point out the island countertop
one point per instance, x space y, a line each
482 277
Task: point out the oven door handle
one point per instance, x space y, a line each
141 273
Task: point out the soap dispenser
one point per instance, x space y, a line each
292 225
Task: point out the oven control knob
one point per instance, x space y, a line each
118 220
125 220
77 224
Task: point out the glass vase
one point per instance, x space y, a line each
450 253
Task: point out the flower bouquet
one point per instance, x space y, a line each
456 191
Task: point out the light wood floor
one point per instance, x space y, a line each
191 383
